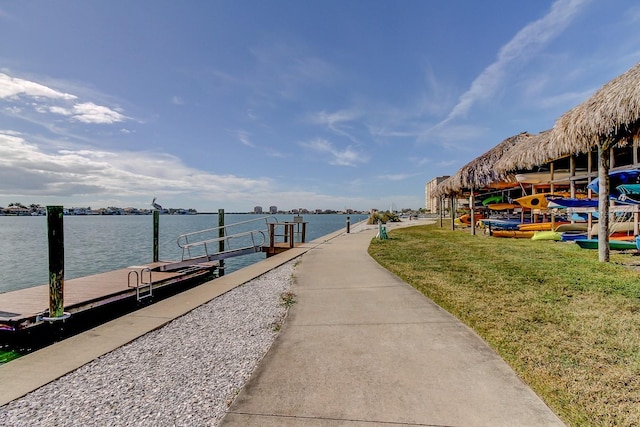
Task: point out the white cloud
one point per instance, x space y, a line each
346 157
45 100
516 52
12 87
72 173
336 122
88 112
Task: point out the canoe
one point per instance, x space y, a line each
502 206
547 235
536 201
617 179
616 245
513 233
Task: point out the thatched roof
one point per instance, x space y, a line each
612 113
526 153
480 172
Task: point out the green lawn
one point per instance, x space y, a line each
567 324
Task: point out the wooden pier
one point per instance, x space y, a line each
287 236
25 308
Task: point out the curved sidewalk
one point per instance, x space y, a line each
363 348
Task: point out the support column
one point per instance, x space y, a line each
221 241
55 232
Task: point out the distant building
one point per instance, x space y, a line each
273 209
430 202
257 210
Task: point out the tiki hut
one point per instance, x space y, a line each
481 171
609 117
526 153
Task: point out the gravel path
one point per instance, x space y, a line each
184 374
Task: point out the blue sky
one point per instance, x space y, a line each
299 104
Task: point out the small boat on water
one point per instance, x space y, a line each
616 245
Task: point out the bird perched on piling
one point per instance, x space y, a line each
155 205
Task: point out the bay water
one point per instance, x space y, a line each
96 244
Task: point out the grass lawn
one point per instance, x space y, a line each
567 324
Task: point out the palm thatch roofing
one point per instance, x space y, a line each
526 153
480 172
611 114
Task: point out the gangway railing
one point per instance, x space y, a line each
237 239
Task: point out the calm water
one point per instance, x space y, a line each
94 244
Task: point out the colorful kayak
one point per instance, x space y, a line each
547 235
502 206
492 199
499 224
616 245
536 201
569 236
543 177
617 179
576 226
567 202
538 226
517 234
466 218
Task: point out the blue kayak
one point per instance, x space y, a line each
617 179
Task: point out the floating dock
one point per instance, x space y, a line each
203 255
26 308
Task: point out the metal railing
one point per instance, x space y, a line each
207 243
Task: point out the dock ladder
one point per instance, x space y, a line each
144 289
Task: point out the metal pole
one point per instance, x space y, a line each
156 233
221 242
56 261
348 225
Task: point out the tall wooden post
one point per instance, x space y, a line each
221 241
56 261
472 213
156 233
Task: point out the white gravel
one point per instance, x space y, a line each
184 374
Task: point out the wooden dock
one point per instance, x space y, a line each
25 308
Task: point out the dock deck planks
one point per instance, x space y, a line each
29 302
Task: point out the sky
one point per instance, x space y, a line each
332 104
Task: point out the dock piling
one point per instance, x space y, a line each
156 229
221 242
56 262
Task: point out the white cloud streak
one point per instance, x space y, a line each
517 51
45 100
346 157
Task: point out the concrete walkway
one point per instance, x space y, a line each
363 348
